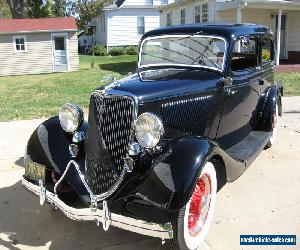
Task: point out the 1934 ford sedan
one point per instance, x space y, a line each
158 144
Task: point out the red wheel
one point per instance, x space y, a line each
193 221
199 205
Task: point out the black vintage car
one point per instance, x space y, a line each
160 143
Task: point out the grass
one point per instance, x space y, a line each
36 96
291 83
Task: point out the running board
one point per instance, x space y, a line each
250 147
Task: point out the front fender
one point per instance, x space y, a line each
176 171
49 146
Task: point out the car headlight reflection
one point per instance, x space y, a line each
70 117
148 130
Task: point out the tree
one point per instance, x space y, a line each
59 8
4 10
89 9
48 9
18 8
35 8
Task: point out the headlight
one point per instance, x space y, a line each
70 117
148 130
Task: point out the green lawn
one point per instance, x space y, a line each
35 96
291 83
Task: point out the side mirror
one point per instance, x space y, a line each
108 79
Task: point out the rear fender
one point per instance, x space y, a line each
49 146
266 108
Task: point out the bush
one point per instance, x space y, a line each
117 51
98 50
131 50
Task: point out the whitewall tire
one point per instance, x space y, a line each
193 221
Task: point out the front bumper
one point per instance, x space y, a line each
101 216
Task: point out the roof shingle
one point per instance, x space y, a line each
38 24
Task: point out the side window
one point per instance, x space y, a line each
19 44
267 55
141 25
244 54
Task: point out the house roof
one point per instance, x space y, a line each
232 4
37 25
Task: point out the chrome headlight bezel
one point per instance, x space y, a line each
70 117
150 137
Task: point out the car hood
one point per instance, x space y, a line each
157 84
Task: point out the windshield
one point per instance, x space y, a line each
192 51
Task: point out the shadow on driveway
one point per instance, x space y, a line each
24 223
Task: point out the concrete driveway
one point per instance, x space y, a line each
265 200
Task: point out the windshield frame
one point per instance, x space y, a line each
182 65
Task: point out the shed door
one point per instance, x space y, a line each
60 53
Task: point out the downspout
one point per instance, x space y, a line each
240 4
106 17
278 37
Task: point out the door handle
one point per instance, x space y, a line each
261 82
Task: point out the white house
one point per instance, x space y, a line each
264 12
124 22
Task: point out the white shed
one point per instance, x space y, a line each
35 46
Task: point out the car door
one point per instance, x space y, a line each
241 98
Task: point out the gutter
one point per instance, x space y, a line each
37 31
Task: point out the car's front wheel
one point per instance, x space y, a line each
192 222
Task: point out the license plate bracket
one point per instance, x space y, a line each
35 171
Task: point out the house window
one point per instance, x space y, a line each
164 2
169 19
59 43
198 14
182 16
201 13
141 25
19 44
204 13
148 2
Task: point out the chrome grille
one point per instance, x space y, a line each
111 134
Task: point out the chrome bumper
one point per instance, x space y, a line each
103 216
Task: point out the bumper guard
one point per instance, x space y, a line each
98 215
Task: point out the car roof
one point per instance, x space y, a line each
227 30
